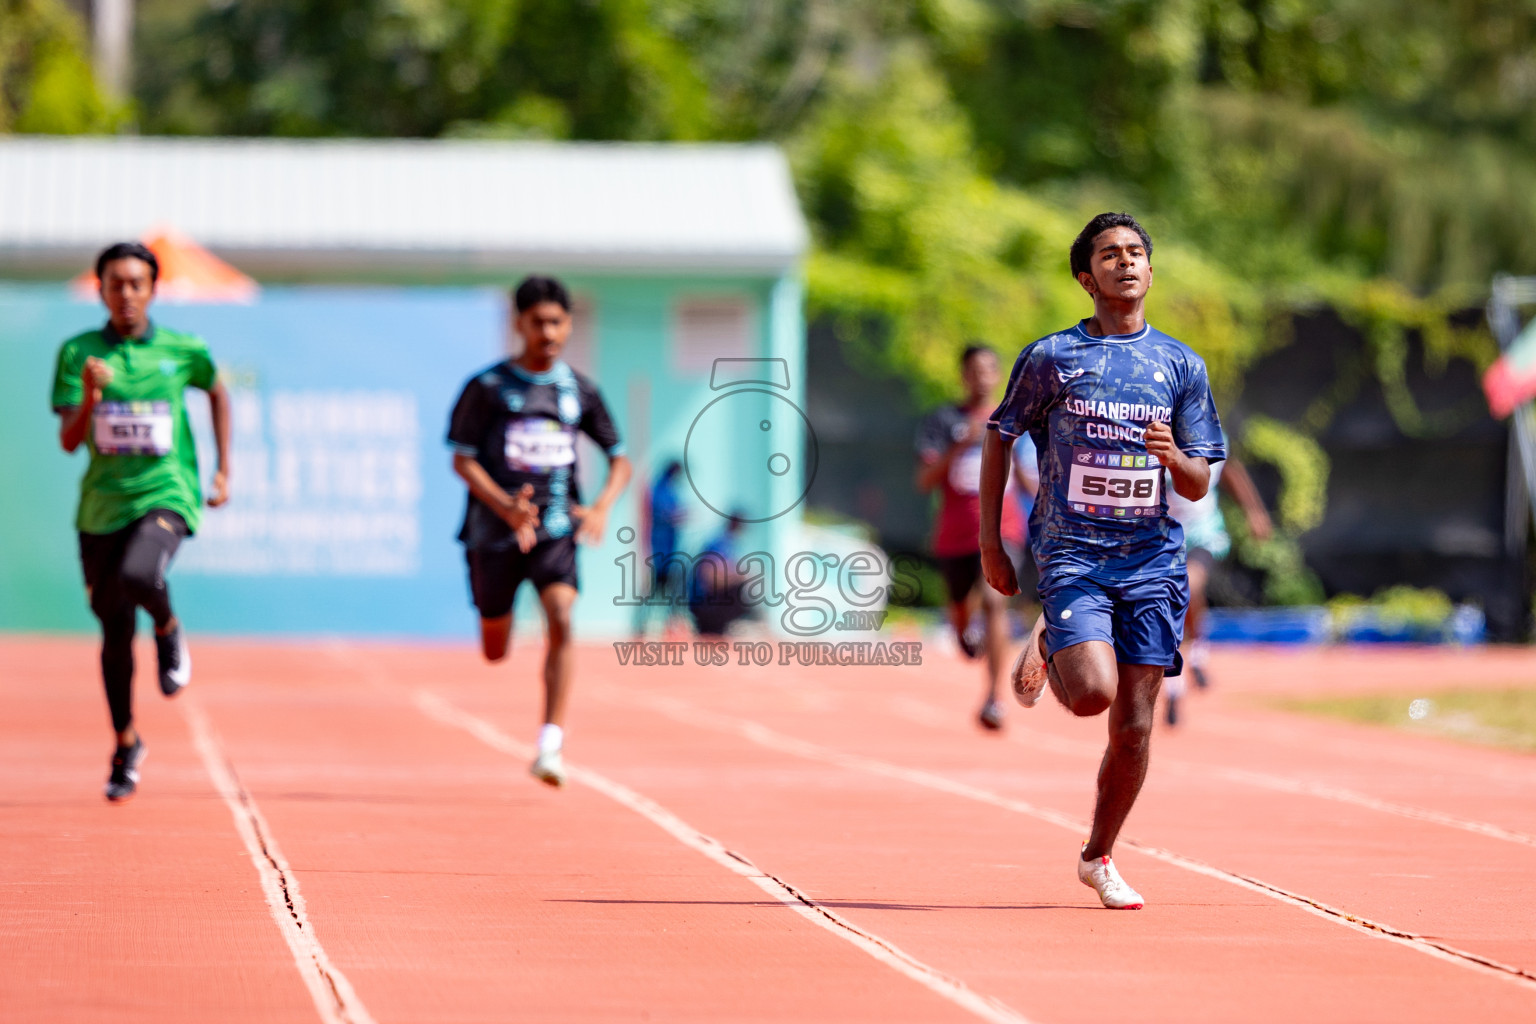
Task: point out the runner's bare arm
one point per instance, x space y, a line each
76 419
932 470
73 421
1191 473
996 463
1236 482
218 405
519 512
594 517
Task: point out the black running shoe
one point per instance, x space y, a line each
125 771
1173 710
1201 681
971 641
991 716
175 661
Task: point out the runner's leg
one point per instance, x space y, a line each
1201 563
117 628
551 568
496 637
1124 767
1078 643
101 558
557 599
959 617
1085 677
1194 619
994 608
1146 619
494 577
995 612
961 575
152 543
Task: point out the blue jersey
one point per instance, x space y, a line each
1086 402
667 514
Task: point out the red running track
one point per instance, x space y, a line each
348 833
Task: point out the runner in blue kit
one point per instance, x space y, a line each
1110 404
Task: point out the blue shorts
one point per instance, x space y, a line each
1144 621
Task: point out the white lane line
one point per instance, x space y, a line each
953 989
334 998
1281 784
763 736
928 714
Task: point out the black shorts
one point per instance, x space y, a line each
495 575
961 572
159 530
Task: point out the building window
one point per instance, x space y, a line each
704 330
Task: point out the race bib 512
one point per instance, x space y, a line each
538 445
133 428
1118 484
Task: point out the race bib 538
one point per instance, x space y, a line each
1117 484
538 445
133 428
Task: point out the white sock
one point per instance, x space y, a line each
1173 686
550 739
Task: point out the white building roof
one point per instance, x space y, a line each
439 208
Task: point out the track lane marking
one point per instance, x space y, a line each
928 714
763 736
332 993
952 989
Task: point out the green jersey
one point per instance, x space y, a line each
142 453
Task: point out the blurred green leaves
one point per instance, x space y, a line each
46 84
1290 140
921 252
417 68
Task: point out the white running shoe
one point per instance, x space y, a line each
175 661
1101 876
1029 669
549 768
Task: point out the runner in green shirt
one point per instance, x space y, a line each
119 391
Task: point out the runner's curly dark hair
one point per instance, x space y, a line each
1082 246
127 251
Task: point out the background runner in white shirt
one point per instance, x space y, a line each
1205 543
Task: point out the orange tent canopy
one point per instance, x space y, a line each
188 272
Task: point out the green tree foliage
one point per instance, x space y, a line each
418 68
921 253
1363 138
46 84
1372 137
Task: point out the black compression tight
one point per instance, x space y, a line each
125 571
